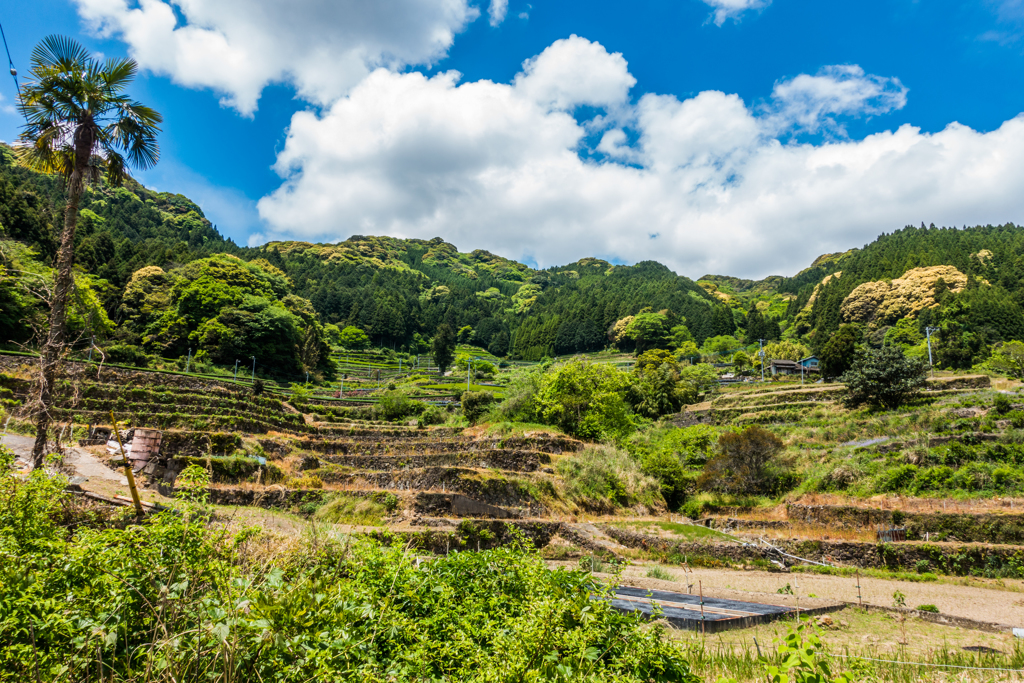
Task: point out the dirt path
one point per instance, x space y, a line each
85 464
973 602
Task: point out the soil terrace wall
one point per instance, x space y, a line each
473 535
437 441
129 378
513 460
983 559
966 528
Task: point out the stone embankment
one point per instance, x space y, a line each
947 558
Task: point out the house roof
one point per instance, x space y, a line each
809 358
785 363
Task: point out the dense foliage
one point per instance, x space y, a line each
885 377
175 599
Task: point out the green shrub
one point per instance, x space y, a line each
897 478
586 400
234 469
928 608
931 479
604 478
922 566
433 415
884 377
475 404
1016 418
386 499
126 354
694 509
747 463
329 608
1005 478
396 405
1002 405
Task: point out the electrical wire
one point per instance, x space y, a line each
10 62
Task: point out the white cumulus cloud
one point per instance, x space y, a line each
812 102
703 184
732 9
497 11
238 47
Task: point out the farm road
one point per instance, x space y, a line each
85 464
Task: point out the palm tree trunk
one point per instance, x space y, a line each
63 281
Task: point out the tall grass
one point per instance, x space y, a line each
605 479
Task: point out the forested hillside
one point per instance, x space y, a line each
156 278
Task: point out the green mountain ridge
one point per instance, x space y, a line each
398 291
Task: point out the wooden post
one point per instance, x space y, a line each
127 468
700 584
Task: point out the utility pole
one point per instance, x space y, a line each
761 353
188 363
236 370
92 343
928 333
253 380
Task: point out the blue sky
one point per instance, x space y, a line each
625 142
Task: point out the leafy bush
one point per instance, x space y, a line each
1008 358
475 404
604 478
520 392
395 405
586 400
928 608
433 415
1002 405
138 603
126 354
897 479
697 381
656 389
931 479
235 468
884 377
353 338
747 463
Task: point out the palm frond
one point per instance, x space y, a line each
117 170
74 94
117 73
60 52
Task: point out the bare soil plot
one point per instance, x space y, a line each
1003 604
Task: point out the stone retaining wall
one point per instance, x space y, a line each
982 559
965 528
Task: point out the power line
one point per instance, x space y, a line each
10 62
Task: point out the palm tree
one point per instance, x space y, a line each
82 126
